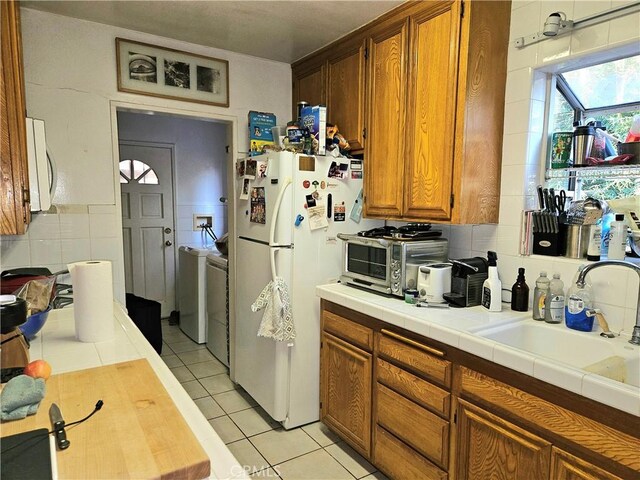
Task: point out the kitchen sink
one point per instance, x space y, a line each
613 358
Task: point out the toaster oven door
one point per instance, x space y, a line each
368 265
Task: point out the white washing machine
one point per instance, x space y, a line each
192 292
218 306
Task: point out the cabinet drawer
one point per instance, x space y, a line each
421 429
422 358
420 391
348 330
399 461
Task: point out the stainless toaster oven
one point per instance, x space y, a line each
387 265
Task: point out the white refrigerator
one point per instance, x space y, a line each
284 377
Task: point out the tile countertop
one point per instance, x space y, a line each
56 344
456 327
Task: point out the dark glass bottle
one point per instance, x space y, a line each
520 293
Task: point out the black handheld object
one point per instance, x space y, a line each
58 427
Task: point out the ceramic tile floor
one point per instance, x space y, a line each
259 443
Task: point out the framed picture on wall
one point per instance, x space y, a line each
163 72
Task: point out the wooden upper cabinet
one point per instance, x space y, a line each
434 107
14 204
490 447
345 92
386 99
309 86
433 68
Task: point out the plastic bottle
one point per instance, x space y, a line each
520 293
492 286
606 234
540 296
595 242
554 303
578 301
617 238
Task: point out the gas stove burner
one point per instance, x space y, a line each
416 235
378 232
412 231
414 227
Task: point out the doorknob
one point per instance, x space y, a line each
167 230
168 243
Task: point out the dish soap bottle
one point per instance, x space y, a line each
579 300
617 238
492 286
554 303
520 293
540 296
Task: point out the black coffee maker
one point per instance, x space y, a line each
467 277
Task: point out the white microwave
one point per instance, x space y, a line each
41 173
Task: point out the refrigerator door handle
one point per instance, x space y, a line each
272 258
276 211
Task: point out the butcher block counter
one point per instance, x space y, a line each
138 433
148 427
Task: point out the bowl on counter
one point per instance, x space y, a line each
34 323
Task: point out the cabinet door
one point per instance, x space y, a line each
490 447
345 391
309 86
431 112
345 93
15 177
565 466
386 97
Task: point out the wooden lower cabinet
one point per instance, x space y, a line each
345 391
565 466
490 447
400 461
418 409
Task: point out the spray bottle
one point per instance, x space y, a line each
492 286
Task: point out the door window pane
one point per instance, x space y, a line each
138 172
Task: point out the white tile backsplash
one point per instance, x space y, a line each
44 226
75 250
484 238
74 225
516 117
103 225
15 253
518 85
525 20
45 252
585 40
625 29
515 148
512 180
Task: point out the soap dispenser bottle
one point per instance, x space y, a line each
492 286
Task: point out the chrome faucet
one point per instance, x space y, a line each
635 335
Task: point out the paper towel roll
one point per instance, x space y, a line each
92 300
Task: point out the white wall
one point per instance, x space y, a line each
70 77
200 166
616 289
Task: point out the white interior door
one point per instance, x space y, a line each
147 222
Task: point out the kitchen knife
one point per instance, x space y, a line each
540 197
57 422
547 201
552 200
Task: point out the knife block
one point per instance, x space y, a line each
551 244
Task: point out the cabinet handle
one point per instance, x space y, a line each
408 341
